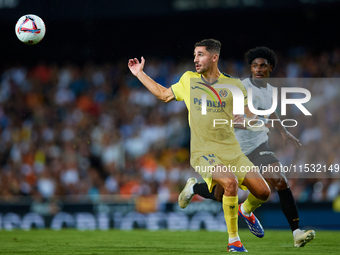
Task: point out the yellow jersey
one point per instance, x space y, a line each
209 136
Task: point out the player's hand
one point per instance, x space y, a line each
136 67
269 126
238 119
288 136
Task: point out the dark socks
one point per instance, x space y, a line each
202 190
289 208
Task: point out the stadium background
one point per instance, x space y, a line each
84 145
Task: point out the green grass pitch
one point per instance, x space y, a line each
141 242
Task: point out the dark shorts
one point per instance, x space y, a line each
262 156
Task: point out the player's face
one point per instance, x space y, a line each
203 59
260 68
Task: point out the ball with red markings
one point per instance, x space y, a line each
30 29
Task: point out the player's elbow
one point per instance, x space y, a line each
162 97
166 99
166 96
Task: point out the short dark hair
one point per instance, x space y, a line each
261 52
210 45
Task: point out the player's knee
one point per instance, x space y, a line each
280 183
230 186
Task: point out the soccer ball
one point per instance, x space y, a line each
30 29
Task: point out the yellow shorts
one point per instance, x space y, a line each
240 166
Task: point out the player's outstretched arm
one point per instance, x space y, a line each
284 133
155 88
288 136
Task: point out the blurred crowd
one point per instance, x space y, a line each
92 130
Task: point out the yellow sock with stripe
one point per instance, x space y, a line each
251 204
230 209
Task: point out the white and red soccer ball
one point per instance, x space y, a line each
30 29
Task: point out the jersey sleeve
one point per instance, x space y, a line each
244 91
178 89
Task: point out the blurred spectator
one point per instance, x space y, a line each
93 130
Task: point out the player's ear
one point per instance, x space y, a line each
215 57
271 68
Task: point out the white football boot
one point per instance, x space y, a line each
186 195
302 237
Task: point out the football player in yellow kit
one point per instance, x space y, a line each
254 145
215 152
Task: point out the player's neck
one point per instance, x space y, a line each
260 83
212 75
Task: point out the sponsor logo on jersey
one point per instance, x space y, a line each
208 91
266 152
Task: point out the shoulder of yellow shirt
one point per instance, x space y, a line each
229 76
191 73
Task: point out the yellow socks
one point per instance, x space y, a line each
230 209
252 203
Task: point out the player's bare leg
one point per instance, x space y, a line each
229 182
218 192
257 185
259 194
